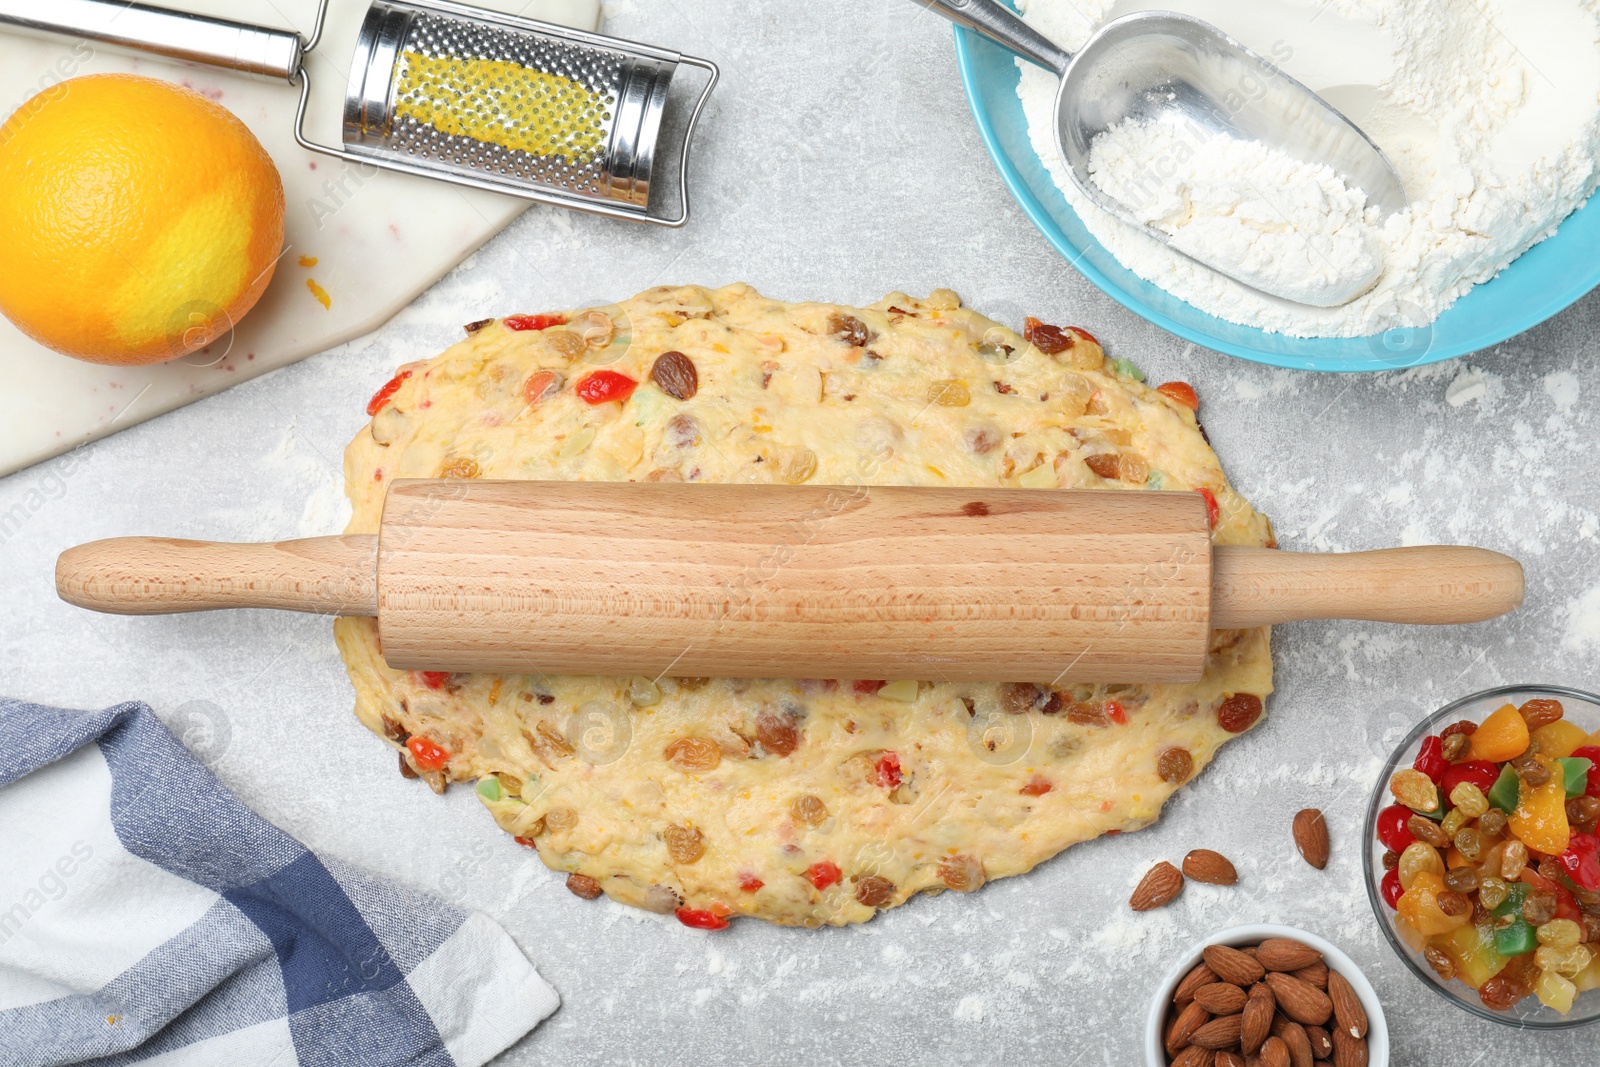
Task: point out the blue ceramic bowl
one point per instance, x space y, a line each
1549 277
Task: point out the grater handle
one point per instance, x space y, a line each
1004 27
176 35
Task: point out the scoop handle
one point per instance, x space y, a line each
1431 584
1004 28
160 575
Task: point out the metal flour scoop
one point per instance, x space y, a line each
1160 66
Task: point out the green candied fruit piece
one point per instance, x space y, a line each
1503 794
1576 770
1155 480
1127 369
489 789
1516 939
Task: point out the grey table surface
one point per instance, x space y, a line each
840 162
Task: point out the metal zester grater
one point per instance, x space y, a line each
449 91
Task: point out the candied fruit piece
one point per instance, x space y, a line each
1500 737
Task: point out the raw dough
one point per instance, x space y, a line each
944 787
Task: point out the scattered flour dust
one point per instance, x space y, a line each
1489 110
1289 228
1583 622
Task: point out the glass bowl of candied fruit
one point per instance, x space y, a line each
1484 866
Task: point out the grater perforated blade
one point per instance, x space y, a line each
450 91
510 104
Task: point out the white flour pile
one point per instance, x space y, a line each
1489 109
1284 226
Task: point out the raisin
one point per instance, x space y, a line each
1453 904
1087 713
1540 907
808 809
1019 698
1175 765
981 440
464 467
1391 859
1466 727
1106 465
1583 814
1239 712
675 374
1501 992
475 326
406 770
1531 771
849 329
1441 963
1456 747
1048 339
874 891
685 844
583 886
1540 711
1492 821
962 873
776 733
682 431
1425 829
693 754
1461 879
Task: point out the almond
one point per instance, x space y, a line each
1300 1001
1285 954
1294 1038
1183 1027
1159 887
1321 1043
1199 976
1311 837
1194 1056
1220 998
1212 868
1274 1053
1257 1019
1348 1051
1231 965
1218 1033
1346 1005
1316 974
1228 1058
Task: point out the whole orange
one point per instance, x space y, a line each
140 220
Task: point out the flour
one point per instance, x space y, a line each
1489 110
1257 214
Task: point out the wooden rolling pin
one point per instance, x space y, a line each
792 581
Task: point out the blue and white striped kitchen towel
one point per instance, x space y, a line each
147 916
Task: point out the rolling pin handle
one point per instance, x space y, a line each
1432 584
158 575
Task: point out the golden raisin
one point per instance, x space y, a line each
809 810
1175 765
1415 790
558 820
464 467
949 393
583 886
962 873
874 891
685 844
694 755
776 733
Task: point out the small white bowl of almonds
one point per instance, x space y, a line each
1268 995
